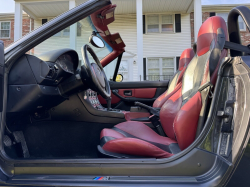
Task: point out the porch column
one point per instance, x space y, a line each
73 28
197 18
18 23
139 39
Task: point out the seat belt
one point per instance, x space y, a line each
154 119
205 89
157 124
237 47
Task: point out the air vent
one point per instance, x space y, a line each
51 72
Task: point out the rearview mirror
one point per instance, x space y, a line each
119 78
96 41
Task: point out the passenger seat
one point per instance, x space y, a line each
173 86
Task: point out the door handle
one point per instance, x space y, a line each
127 92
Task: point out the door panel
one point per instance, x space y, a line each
145 93
124 94
138 84
229 116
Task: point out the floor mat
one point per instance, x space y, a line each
50 139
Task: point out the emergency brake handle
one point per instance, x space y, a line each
149 108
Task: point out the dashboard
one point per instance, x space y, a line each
34 82
66 62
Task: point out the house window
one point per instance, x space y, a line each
167 23
153 24
242 25
5 29
160 23
160 68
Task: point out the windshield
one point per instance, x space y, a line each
67 39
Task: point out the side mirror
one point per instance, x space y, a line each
96 41
119 78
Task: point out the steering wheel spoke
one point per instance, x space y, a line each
96 79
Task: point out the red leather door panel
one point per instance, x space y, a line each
121 92
144 93
147 93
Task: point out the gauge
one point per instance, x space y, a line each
65 62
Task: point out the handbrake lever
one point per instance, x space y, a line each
152 110
154 118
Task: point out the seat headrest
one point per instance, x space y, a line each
208 32
185 58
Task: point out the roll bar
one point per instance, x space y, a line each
233 26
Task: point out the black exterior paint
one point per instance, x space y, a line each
1 74
233 26
241 174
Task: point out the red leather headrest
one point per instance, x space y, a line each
186 57
208 33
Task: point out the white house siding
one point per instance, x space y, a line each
126 25
155 44
50 44
167 44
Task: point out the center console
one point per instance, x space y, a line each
91 97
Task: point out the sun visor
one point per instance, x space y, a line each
117 40
101 19
108 15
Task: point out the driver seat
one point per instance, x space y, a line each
180 114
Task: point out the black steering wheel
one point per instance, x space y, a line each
96 77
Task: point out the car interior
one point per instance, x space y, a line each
58 108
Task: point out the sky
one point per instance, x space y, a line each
8 6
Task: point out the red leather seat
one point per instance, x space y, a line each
175 82
173 86
179 115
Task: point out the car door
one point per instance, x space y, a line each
125 93
1 74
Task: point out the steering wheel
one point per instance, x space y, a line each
96 77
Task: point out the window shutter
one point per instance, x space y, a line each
177 22
212 14
144 69
177 62
44 21
144 24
